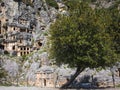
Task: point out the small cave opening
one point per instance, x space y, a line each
39 43
39 8
6 20
13 47
1 46
42 27
44 82
22 30
2 4
31 27
21 53
27 4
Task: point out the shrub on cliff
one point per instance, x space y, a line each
52 3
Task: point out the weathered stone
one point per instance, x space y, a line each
24 25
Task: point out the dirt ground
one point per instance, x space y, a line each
38 88
25 88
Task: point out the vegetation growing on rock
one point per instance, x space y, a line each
3 73
52 3
28 2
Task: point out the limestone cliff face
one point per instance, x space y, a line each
23 24
23 32
23 27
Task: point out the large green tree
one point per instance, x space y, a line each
81 39
114 28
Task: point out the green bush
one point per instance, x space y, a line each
118 85
3 73
0 1
27 2
52 3
24 57
6 52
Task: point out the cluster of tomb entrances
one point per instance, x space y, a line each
16 37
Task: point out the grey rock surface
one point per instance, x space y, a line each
25 68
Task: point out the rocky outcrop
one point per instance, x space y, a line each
28 23
23 25
33 19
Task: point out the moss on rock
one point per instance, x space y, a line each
52 3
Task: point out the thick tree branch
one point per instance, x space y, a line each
78 71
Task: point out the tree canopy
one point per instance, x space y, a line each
114 28
83 38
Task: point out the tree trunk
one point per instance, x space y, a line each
17 79
113 78
56 80
78 71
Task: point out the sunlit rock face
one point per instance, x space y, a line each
22 32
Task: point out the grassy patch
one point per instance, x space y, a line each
52 3
5 84
118 85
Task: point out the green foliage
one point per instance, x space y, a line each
114 28
89 1
81 39
5 84
28 2
99 69
52 3
0 0
118 85
45 33
3 73
24 57
6 52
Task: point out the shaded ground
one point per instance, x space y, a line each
38 88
